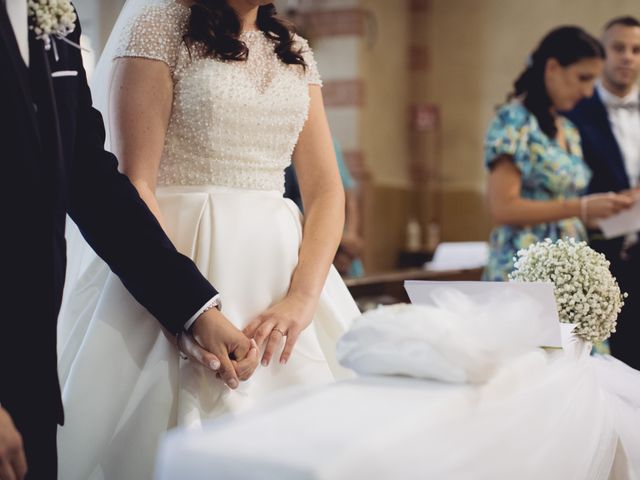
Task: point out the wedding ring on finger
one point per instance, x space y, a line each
278 331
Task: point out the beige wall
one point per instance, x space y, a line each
384 134
384 62
475 50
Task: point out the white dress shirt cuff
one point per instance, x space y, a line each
213 303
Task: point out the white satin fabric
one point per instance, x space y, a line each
123 383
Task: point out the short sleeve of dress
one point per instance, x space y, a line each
508 134
311 72
156 33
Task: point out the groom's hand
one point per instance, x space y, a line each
186 344
13 464
237 354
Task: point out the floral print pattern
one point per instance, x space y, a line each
548 172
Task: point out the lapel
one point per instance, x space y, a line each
614 154
43 92
17 65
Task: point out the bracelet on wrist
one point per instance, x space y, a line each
583 209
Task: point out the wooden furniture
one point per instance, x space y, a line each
389 286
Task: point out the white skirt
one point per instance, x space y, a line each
123 383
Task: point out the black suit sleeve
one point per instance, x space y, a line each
122 230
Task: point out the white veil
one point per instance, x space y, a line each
80 256
103 73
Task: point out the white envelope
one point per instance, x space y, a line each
623 223
459 256
547 331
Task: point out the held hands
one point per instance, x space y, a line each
13 463
238 356
287 318
188 347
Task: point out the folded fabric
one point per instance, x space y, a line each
461 339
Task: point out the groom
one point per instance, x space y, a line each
54 163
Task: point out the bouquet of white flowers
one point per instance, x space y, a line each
586 293
52 18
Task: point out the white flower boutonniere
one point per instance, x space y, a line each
52 18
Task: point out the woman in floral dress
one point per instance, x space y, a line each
536 171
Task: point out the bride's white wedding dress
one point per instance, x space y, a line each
232 131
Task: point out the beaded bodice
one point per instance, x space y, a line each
233 123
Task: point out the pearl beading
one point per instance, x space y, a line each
233 124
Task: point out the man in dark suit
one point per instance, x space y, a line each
609 124
54 163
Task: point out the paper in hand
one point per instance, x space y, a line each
623 223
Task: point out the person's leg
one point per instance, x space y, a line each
625 343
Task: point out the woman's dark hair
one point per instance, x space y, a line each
215 24
568 45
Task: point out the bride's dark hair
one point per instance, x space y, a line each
215 24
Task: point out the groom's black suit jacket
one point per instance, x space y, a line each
53 163
604 156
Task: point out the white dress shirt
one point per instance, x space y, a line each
624 117
18 16
213 303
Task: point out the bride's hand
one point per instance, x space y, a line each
287 318
238 355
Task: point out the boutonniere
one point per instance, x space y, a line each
50 19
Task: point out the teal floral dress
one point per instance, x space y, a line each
548 173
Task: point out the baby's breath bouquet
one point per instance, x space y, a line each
52 18
586 293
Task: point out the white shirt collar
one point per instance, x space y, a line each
625 125
18 15
609 98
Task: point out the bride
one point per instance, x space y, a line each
206 102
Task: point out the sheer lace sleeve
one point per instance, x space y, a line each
311 73
155 34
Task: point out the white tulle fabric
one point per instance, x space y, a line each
123 384
558 414
539 416
457 341
591 404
